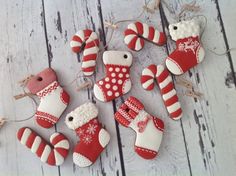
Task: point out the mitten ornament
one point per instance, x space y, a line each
117 81
93 138
137 32
165 82
88 41
189 51
53 98
149 129
53 154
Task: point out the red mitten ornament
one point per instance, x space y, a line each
88 41
149 129
53 154
93 138
165 82
117 81
188 52
53 98
137 32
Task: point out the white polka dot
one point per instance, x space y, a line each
117 94
120 75
113 75
100 82
124 69
107 79
120 81
110 69
117 69
107 86
109 93
113 80
114 87
127 75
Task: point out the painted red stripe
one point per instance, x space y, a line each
87 33
141 42
151 33
76 49
30 139
132 114
153 68
63 152
139 27
51 158
145 78
57 139
177 113
41 148
132 43
123 121
77 39
92 44
129 32
162 39
171 100
163 76
20 133
88 69
136 102
90 57
169 87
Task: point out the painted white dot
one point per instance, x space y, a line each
120 75
107 79
100 82
110 69
124 69
120 81
114 87
113 80
107 86
109 93
113 75
117 69
117 94
127 75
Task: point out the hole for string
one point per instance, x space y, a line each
39 78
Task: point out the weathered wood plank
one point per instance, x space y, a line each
172 158
23 51
209 123
63 19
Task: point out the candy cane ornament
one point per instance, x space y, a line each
53 154
137 32
88 41
165 82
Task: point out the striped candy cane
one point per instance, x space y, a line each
88 41
137 32
166 85
52 155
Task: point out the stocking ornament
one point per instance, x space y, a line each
53 98
93 138
117 81
189 51
149 129
53 154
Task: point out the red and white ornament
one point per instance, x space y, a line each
117 81
88 41
149 129
137 32
93 137
166 86
189 51
53 154
53 98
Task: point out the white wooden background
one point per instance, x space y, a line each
36 34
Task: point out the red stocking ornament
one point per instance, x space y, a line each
117 81
188 52
149 129
53 98
93 138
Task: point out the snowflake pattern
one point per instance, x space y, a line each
91 129
80 132
188 45
87 139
